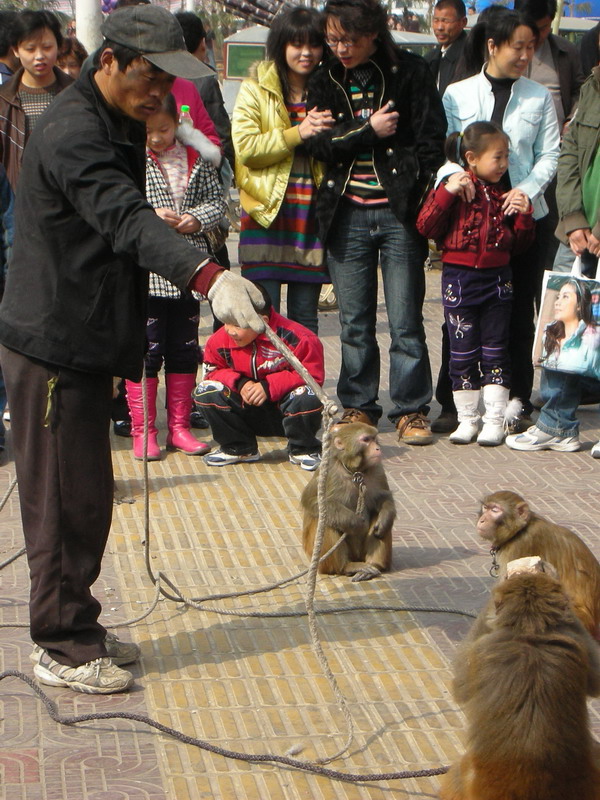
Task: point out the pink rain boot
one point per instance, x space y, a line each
179 406
135 401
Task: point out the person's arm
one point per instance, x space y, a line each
186 93
450 104
434 218
104 193
348 136
215 368
546 148
569 191
212 97
7 205
254 147
208 197
428 121
310 354
524 230
577 81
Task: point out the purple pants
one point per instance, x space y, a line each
477 307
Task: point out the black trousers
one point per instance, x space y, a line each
60 421
236 425
172 335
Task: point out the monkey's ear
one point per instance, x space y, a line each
523 511
338 443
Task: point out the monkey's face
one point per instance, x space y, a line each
502 515
372 450
356 446
490 518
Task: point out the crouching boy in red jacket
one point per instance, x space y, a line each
249 390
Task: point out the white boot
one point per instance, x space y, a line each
467 403
495 399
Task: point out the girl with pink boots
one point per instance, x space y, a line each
183 187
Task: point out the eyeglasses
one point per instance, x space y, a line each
347 43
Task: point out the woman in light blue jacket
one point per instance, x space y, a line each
525 111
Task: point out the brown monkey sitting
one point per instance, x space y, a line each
514 531
355 479
523 688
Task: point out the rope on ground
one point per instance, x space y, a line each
252 758
329 410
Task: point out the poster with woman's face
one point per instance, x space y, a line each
568 329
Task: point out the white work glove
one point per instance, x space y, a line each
237 301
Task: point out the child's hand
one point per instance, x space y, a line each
188 224
460 183
515 201
253 394
171 217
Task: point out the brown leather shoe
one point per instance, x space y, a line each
414 429
355 415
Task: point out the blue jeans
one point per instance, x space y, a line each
360 239
560 392
302 301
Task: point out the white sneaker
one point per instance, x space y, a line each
221 459
596 450
307 461
535 439
120 653
100 676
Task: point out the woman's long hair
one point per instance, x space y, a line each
555 332
360 17
297 26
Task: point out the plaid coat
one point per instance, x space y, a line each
203 200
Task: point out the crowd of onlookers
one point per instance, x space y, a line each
336 141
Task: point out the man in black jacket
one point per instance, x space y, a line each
73 316
386 144
448 25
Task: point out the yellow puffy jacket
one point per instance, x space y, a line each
264 142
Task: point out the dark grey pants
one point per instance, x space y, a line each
61 446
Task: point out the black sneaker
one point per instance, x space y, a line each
198 420
122 427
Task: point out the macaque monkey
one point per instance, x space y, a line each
355 478
523 688
514 531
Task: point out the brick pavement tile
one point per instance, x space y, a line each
255 685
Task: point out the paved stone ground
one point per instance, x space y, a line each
254 684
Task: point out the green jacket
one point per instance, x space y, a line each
578 150
264 142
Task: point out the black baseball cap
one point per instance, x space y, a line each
155 34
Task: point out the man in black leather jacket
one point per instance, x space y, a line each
73 316
380 155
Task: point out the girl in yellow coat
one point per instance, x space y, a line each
276 178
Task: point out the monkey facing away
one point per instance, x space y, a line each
523 688
358 503
514 531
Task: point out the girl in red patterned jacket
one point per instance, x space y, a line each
477 227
